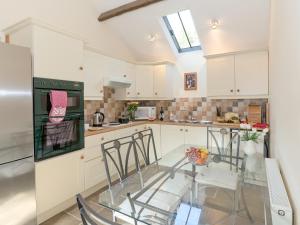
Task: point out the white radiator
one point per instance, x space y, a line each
281 210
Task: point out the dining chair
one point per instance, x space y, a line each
145 148
224 149
120 158
89 216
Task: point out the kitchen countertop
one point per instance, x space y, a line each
137 123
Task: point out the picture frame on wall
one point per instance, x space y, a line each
190 81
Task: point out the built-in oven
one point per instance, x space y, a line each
57 138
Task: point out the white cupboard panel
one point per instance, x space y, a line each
196 136
144 81
220 76
251 71
94 171
172 136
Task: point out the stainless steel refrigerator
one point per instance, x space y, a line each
17 182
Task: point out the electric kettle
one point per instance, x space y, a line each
98 119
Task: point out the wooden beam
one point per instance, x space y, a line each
126 8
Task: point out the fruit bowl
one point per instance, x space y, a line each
197 156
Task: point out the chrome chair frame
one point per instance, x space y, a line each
89 216
142 144
121 165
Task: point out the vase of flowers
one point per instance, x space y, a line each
131 108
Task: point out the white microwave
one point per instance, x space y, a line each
145 113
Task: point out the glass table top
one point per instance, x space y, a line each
174 191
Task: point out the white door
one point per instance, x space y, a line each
130 75
57 56
144 81
93 80
220 76
161 82
58 179
196 136
94 172
251 73
172 136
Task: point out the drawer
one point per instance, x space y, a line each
92 153
92 141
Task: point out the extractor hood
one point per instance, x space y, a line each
117 82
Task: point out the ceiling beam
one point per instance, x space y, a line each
126 8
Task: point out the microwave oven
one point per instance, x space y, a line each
145 113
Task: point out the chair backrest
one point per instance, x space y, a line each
145 147
224 146
89 216
119 157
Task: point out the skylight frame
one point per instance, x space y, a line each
174 38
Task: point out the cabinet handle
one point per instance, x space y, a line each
128 93
81 68
238 90
138 93
231 90
181 129
102 139
136 129
124 75
186 130
82 157
155 93
101 91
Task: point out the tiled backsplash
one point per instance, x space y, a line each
199 108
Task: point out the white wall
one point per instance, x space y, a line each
285 92
190 62
76 16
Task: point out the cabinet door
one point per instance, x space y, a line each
93 80
144 81
57 56
94 172
172 136
220 76
196 136
130 75
251 73
58 179
161 83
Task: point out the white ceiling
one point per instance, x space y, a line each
244 26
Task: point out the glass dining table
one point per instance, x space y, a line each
175 191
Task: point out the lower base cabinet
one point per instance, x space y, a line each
173 136
94 172
58 179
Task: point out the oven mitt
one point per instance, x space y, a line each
59 101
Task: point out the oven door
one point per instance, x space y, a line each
42 104
53 139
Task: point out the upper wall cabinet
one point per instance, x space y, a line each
94 67
56 54
241 75
144 81
220 76
251 70
162 81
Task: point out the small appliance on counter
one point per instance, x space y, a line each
123 119
98 119
145 113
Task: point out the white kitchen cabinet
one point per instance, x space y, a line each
220 76
172 136
144 81
162 81
128 72
56 54
195 136
94 172
58 179
94 68
251 73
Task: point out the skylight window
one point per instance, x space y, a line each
183 31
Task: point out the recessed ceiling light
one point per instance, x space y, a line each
214 24
152 37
